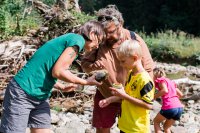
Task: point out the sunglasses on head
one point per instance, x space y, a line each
105 18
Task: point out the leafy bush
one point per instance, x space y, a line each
172 46
82 17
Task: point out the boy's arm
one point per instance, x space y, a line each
89 61
121 93
138 102
163 90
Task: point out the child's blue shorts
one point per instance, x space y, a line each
174 113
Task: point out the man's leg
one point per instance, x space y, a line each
102 130
104 118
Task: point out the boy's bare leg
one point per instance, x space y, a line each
167 125
102 130
157 120
40 130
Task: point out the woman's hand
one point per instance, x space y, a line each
91 81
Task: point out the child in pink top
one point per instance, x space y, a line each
171 106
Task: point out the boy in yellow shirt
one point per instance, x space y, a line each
138 93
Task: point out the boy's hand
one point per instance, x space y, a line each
103 103
118 92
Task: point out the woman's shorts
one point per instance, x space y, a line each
21 111
174 113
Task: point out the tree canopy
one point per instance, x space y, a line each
154 15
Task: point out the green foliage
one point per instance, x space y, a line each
173 46
13 21
2 21
57 108
153 15
82 17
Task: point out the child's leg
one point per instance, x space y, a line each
175 115
157 120
168 123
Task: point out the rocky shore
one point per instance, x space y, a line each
75 114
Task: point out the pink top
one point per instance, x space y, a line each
169 100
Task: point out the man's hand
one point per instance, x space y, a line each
70 87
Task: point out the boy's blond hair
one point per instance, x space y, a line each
129 48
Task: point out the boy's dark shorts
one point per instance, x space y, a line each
174 113
104 117
21 111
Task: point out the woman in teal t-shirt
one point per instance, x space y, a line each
26 98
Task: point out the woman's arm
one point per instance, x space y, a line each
163 90
60 69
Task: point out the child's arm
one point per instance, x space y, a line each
162 91
105 102
179 93
121 93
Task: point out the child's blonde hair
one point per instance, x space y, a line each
129 48
159 72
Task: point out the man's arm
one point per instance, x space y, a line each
147 60
90 62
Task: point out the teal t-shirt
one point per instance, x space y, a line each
35 78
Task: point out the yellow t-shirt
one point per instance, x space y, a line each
135 119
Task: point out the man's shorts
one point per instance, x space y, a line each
104 117
174 113
21 111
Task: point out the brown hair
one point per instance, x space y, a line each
91 26
159 72
113 12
